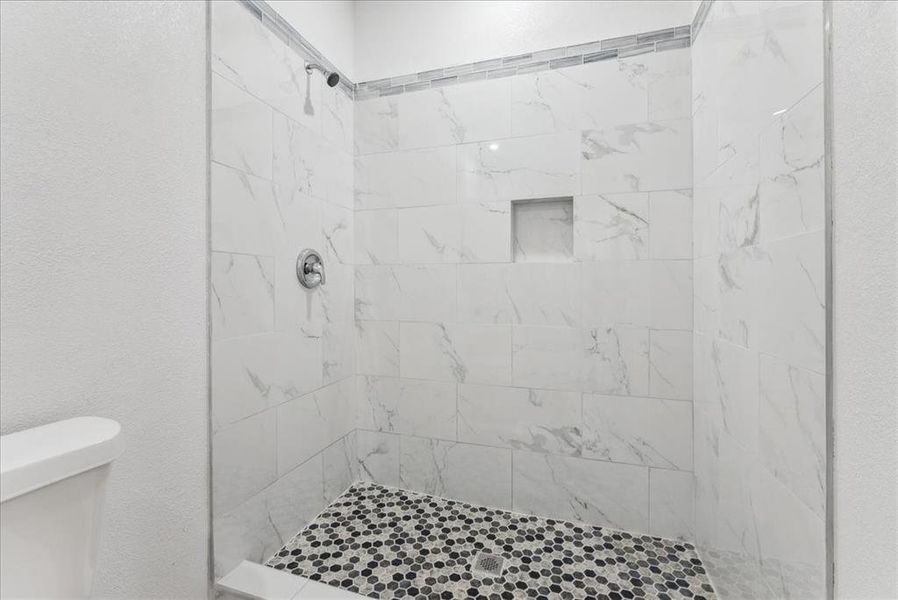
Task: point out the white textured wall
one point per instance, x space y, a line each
865 328
329 25
103 253
395 38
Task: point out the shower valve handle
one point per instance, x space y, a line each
310 269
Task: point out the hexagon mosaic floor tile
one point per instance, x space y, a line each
390 543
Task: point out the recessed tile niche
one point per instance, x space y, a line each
543 230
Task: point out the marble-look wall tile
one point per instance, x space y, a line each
427 292
463 353
547 357
544 294
670 218
376 293
706 221
376 237
759 310
337 231
340 465
244 460
570 315
337 119
669 84
455 114
260 526
295 499
427 408
485 232
465 472
791 61
252 373
792 547
337 350
430 234
793 429
520 418
612 360
641 431
483 294
616 360
616 293
243 212
542 231
587 491
378 457
612 226
242 294
377 403
736 277
407 406
637 157
791 311
731 390
671 292
296 155
252 58
377 348
336 295
302 160
670 361
282 179
519 168
705 296
792 176
671 511
241 129
308 424
376 125
739 217
405 179
578 97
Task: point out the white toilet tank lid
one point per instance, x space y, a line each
35 458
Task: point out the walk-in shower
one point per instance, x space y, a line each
573 324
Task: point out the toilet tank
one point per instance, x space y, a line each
52 482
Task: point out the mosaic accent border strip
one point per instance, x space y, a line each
532 62
276 24
700 16
659 40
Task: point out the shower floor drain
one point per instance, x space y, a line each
488 564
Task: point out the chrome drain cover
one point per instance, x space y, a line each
490 565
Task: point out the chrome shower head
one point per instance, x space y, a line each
332 78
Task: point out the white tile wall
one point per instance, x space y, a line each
603 493
544 166
758 302
283 358
467 472
559 331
